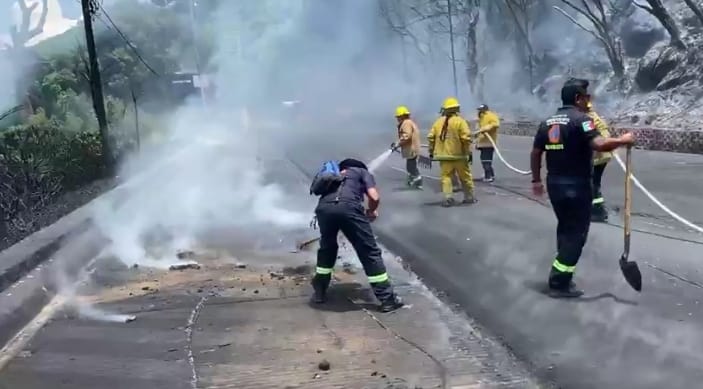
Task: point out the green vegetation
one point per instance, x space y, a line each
53 145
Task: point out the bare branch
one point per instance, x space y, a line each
573 20
642 6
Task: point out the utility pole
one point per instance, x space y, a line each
451 42
198 65
91 7
136 121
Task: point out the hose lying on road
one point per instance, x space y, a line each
637 182
656 201
511 167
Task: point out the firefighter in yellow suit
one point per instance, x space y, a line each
450 144
600 160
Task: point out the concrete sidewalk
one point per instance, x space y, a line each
231 325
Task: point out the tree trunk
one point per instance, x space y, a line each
471 60
615 58
659 11
523 28
695 8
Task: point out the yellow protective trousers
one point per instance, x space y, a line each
462 169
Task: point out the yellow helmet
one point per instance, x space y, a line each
450 102
401 111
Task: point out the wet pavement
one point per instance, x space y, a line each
492 259
246 322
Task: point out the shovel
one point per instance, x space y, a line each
424 161
630 270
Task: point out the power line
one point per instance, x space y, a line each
99 7
127 41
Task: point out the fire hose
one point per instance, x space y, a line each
637 183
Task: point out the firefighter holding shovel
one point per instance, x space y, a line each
569 138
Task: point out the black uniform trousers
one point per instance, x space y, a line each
571 199
349 218
598 200
487 161
411 168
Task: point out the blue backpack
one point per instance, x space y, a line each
327 180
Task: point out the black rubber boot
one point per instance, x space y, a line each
569 292
561 285
320 287
599 214
469 198
391 304
448 202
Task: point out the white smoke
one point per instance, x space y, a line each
206 177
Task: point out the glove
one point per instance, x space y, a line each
431 156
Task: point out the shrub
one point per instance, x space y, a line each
38 162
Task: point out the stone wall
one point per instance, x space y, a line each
647 138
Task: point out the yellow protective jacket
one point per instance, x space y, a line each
450 138
409 139
488 120
600 158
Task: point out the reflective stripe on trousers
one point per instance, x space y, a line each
598 200
563 268
383 277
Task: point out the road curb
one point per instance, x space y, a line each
28 268
24 299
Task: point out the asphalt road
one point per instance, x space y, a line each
493 258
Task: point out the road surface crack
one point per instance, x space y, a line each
441 369
674 275
194 315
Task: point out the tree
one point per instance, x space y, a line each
24 32
657 9
520 11
470 14
602 21
21 34
695 8
410 18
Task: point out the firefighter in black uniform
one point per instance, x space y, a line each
569 138
343 210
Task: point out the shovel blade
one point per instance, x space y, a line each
632 273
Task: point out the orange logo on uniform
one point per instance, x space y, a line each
554 133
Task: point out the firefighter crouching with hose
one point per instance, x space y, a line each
450 144
488 123
409 144
600 160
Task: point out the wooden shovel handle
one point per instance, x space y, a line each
628 197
